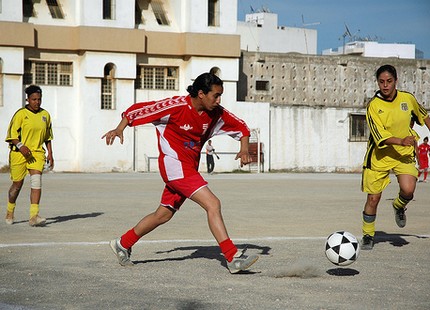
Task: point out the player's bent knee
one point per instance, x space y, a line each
36 181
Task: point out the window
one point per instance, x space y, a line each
157 78
108 9
108 88
160 14
1 81
213 13
359 131
28 8
55 9
138 18
262 85
48 73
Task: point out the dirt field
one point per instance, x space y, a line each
284 218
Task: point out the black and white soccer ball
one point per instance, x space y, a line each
342 248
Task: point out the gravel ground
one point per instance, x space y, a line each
285 218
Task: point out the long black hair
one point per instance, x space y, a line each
204 83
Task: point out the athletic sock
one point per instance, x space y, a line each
228 249
11 207
369 224
401 202
129 239
34 209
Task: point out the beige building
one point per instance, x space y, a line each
95 58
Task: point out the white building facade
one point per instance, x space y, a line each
93 59
260 33
374 49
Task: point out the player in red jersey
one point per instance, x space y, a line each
423 155
183 125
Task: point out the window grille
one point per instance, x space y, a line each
157 78
55 9
213 13
359 132
160 14
108 88
48 73
262 85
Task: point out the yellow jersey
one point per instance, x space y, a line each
33 129
388 119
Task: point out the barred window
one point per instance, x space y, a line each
160 14
262 85
48 73
108 88
157 78
213 13
359 131
55 9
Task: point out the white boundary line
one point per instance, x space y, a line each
83 243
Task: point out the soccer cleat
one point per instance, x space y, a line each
400 216
367 242
9 218
121 253
37 221
241 262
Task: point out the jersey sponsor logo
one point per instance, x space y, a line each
192 145
404 106
186 127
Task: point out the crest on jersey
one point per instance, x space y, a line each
44 118
186 127
404 106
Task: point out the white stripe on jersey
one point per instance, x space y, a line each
172 165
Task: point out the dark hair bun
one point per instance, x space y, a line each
33 89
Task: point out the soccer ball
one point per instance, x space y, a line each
342 248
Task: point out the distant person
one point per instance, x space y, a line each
210 152
390 147
423 155
183 125
29 129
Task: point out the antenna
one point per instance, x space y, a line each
304 30
347 33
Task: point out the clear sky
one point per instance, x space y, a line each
390 21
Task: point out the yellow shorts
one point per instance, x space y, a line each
19 165
374 182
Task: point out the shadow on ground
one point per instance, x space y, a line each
396 240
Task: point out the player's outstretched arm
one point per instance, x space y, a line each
117 132
243 154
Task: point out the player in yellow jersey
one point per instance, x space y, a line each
391 146
29 129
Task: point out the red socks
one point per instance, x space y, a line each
129 239
228 249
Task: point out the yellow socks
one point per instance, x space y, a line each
34 209
369 224
11 207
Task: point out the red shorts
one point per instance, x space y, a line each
175 192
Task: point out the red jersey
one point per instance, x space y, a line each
423 150
182 131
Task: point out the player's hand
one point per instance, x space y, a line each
111 135
408 141
244 157
25 151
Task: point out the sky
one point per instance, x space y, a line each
390 21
